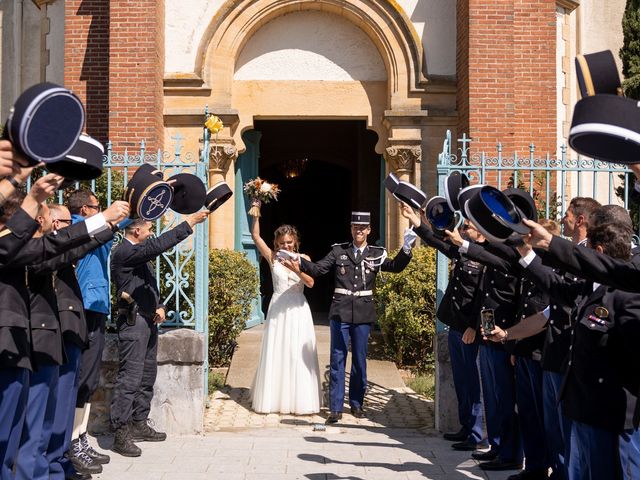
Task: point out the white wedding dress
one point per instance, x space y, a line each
288 376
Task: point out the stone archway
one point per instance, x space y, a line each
409 113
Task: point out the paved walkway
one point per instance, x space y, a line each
396 441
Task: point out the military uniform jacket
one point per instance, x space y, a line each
67 290
18 231
605 340
131 272
500 288
354 276
15 309
564 294
459 307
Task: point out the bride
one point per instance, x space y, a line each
288 376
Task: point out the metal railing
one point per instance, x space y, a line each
552 182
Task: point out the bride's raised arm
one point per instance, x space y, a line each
263 248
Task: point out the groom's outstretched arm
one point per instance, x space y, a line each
322 266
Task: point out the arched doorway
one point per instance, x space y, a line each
325 169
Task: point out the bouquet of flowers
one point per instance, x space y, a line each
260 191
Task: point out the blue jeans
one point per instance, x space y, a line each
630 454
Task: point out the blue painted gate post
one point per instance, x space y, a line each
246 169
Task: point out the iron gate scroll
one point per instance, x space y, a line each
553 182
181 272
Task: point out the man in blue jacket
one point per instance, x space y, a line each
93 277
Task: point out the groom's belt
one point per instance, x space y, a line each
359 293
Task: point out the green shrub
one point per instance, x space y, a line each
406 310
233 284
424 384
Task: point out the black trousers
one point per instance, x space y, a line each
137 350
91 360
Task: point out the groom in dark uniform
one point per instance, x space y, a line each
352 312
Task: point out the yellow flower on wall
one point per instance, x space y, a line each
213 124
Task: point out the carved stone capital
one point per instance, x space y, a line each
221 156
403 158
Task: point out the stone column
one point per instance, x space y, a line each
401 160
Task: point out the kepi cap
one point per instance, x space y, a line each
83 162
360 218
453 184
189 193
598 74
148 195
217 195
45 122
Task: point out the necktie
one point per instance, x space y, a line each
358 255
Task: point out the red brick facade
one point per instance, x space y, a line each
114 59
506 70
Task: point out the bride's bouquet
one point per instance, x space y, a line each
260 191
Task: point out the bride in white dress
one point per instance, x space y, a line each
288 376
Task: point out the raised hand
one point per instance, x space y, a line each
196 218
10 161
407 212
117 211
45 186
538 236
454 237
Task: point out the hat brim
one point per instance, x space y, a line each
453 185
391 182
189 193
410 194
466 194
83 162
607 127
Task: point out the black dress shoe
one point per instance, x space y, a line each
357 412
484 456
468 446
530 475
333 418
459 436
499 465
76 476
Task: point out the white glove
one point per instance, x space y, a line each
409 240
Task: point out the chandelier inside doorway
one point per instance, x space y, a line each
294 167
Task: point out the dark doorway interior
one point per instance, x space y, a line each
325 169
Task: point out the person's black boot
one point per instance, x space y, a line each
123 444
82 463
143 432
95 455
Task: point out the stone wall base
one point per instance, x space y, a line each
179 394
446 400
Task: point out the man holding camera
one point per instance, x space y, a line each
139 313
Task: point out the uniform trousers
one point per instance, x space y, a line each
466 381
62 427
531 413
89 376
137 351
594 453
630 454
341 333
14 391
498 391
557 427
32 461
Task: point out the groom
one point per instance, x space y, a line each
352 312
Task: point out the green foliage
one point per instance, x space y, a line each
630 51
233 284
424 384
406 310
216 380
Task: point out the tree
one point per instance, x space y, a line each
630 51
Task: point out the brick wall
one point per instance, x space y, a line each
114 59
507 75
